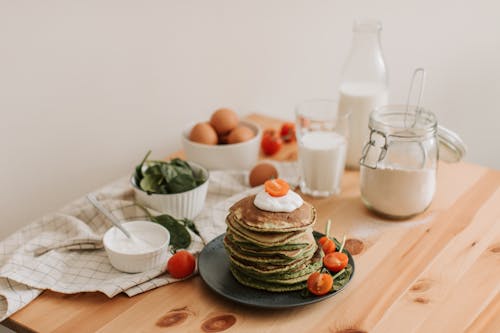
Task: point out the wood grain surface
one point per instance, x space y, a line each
436 272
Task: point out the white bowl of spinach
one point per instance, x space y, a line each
176 187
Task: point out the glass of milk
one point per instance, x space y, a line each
322 137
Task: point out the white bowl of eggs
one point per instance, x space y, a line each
224 142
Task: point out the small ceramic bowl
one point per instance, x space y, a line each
147 250
237 156
180 205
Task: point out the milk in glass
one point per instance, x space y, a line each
322 137
322 160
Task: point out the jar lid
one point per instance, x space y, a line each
451 147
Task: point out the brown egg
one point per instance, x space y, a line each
262 172
240 134
224 120
203 133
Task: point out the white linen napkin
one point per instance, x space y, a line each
63 251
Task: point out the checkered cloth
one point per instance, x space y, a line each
63 251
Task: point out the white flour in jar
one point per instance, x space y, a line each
398 192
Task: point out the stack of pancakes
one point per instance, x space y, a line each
271 251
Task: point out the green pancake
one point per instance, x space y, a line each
270 257
295 244
264 285
263 239
304 270
294 268
277 280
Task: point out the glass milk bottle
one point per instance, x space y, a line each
363 85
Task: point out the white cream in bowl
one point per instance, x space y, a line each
147 249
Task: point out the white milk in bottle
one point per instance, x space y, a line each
364 84
359 99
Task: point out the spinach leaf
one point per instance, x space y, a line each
180 163
163 177
179 236
199 177
168 172
152 184
342 278
337 243
153 169
138 169
190 224
181 183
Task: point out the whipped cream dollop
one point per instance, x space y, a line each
287 203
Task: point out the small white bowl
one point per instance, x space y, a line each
179 205
237 156
131 256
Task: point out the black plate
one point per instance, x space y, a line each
213 264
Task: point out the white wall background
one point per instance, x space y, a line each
87 87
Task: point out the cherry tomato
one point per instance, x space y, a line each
335 261
271 142
319 283
322 240
276 187
287 132
181 264
328 246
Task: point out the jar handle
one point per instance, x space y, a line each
372 144
451 147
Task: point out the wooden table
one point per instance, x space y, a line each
438 272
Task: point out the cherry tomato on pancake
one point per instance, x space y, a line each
276 187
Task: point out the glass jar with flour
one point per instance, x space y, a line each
399 161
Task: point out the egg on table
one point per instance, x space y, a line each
262 172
